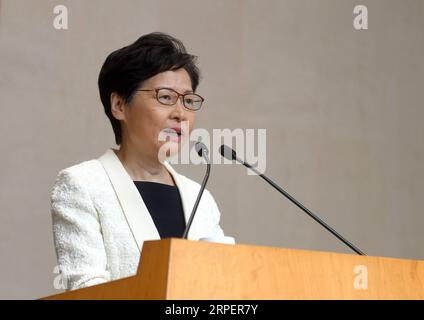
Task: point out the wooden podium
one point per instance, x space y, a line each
183 269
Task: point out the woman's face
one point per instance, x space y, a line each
147 124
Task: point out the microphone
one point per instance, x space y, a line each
230 154
203 152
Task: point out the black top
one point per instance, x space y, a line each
164 204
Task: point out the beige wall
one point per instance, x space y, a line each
342 109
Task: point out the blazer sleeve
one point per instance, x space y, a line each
216 230
77 233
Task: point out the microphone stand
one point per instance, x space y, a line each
202 151
297 203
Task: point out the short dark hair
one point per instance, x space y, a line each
125 69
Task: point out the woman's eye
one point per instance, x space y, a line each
166 98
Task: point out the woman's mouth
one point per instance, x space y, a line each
172 134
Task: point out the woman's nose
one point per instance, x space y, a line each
179 109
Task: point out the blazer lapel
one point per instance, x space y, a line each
138 217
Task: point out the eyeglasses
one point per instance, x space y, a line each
169 97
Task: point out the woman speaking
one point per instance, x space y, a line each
104 209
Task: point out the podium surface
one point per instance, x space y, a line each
184 269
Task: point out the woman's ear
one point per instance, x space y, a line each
117 106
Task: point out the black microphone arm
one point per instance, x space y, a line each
202 151
230 154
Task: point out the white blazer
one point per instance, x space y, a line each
100 220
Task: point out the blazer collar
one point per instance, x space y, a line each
136 213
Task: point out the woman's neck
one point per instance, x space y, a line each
140 167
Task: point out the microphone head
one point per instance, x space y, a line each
201 149
227 152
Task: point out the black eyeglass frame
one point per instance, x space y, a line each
179 95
